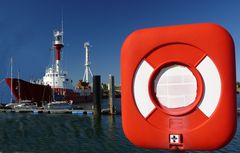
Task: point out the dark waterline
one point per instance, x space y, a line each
50 133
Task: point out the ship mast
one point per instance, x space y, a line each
87 63
19 88
58 45
11 63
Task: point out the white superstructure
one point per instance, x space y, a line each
57 79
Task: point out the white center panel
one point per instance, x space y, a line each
175 86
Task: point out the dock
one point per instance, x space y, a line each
57 111
49 111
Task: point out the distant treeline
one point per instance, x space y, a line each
238 87
105 91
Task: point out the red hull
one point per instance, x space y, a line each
42 93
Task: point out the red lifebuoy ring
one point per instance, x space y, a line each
177 87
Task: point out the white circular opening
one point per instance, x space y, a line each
175 86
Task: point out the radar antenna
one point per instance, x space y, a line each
87 64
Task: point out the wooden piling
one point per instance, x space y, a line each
97 94
111 94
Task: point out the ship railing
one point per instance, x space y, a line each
37 81
83 92
52 69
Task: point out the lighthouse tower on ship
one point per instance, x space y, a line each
55 76
58 44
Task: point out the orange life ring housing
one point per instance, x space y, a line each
178 87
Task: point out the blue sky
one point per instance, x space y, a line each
26 28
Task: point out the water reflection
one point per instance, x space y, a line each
72 133
97 124
111 121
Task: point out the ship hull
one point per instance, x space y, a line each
23 90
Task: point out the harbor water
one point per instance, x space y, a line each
67 133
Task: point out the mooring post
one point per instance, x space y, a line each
97 94
111 94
